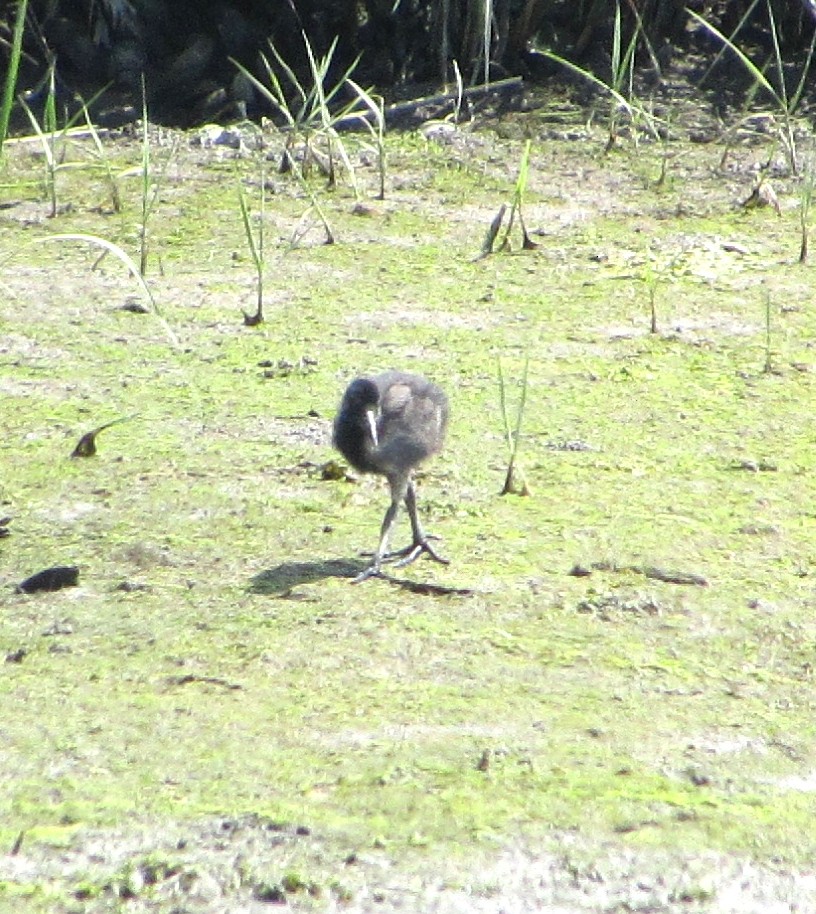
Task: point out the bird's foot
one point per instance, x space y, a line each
373 571
411 553
401 558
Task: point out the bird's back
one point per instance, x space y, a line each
412 420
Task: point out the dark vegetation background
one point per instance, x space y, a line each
184 47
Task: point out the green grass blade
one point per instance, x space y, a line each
344 78
290 74
145 182
743 19
522 403
780 68
616 48
78 115
460 91
273 92
116 199
250 235
373 104
487 32
595 80
756 74
800 86
50 107
340 146
508 434
132 268
40 133
10 85
521 180
319 70
628 66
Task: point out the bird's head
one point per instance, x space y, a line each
362 398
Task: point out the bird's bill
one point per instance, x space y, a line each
372 424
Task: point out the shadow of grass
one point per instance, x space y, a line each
282 578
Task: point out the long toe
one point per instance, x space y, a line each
373 571
415 550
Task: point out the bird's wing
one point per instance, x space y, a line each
410 425
395 399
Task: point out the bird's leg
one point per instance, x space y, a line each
420 542
380 556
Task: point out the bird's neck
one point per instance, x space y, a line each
354 441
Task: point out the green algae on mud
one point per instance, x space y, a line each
172 686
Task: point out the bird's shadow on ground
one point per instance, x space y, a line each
281 580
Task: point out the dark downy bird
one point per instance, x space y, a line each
388 424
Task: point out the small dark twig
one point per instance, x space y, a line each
650 571
402 110
208 680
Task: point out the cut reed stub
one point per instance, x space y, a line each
86 446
